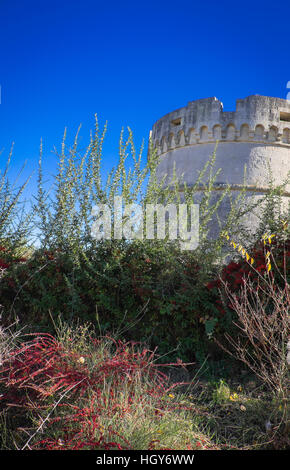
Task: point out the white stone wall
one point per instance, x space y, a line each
232 158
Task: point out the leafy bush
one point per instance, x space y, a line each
142 291
15 222
255 295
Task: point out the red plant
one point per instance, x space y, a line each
8 258
3 265
236 273
42 369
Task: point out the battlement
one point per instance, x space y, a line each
258 119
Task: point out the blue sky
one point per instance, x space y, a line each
130 62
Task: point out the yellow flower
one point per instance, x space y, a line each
264 237
170 395
234 396
81 360
226 235
269 267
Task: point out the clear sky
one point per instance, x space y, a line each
130 62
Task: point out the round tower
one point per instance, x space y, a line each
256 136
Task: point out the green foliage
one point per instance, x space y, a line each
15 222
222 392
273 208
64 214
140 291
148 290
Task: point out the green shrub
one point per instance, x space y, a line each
142 291
15 220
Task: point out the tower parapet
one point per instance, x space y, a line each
255 136
256 119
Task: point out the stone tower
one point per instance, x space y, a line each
255 135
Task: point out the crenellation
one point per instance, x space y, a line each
256 118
